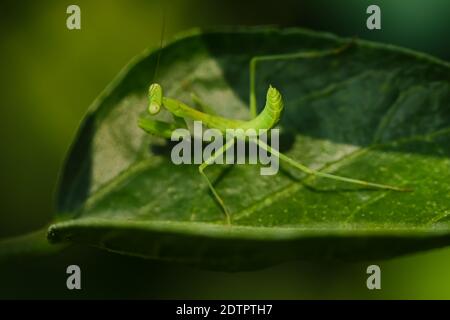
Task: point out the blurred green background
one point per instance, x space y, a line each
50 75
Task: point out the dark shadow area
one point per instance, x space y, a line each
226 254
75 179
339 97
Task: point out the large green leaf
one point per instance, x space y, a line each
373 112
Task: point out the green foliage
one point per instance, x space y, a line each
374 112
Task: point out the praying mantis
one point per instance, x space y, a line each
266 120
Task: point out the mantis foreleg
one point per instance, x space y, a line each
157 128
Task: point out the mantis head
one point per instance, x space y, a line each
155 95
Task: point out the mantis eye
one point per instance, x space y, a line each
154 108
155 95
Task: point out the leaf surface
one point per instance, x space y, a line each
373 112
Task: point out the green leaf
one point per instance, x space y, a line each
373 112
31 245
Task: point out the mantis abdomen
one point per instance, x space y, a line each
271 113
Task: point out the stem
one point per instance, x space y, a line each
30 244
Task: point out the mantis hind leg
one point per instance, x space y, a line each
310 171
285 56
207 163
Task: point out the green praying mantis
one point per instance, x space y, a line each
266 120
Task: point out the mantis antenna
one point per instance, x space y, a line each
161 42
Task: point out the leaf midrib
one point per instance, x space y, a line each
208 229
